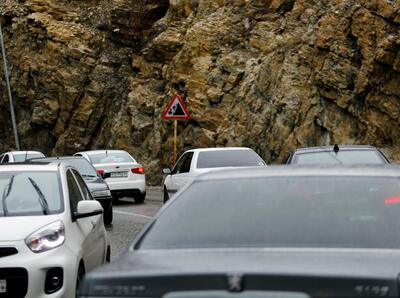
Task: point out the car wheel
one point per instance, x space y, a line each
108 214
166 195
139 198
79 278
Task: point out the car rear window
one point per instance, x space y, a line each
110 157
23 157
228 158
333 212
30 193
347 157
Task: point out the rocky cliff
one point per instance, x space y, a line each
272 75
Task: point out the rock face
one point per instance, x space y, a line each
272 75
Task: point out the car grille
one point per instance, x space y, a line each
17 282
8 251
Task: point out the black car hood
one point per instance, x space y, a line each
308 271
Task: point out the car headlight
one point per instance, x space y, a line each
101 193
46 238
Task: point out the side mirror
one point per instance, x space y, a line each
167 171
106 175
87 209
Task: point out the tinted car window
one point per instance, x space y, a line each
82 165
183 164
74 194
82 185
228 158
347 157
5 159
345 212
30 193
110 157
23 157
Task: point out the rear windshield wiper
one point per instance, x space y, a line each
335 157
88 176
42 199
6 192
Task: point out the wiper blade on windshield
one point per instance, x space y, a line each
6 192
335 157
88 176
42 199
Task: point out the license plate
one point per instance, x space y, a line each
119 174
3 286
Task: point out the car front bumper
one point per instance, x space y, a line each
37 266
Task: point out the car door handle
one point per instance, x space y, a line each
93 225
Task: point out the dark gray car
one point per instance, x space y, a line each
97 186
277 232
334 155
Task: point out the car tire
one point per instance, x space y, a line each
166 195
139 198
108 214
79 278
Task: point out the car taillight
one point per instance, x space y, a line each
138 170
100 172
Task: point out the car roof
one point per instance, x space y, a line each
217 149
23 152
330 148
60 158
386 170
29 166
100 151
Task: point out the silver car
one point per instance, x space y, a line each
123 174
19 156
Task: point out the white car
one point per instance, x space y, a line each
19 156
51 233
123 174
197 161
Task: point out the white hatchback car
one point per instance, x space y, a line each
123 174
197 161
19 156
51 233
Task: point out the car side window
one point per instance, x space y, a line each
83 186
6 159
186 164
75 194
179 165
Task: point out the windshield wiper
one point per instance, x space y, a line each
335 157
6 192
42 198
86 175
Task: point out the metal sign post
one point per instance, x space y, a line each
175 139
176 110
14 124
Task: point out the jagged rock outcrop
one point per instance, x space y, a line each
269 74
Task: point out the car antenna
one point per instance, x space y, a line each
336 148
26 155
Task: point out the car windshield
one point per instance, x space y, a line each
333 212
228 158
110 157
29 193
83 166
22 157
346 157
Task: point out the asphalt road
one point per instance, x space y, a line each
130 218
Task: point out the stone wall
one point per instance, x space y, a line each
272 75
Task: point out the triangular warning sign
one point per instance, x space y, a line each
176 110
